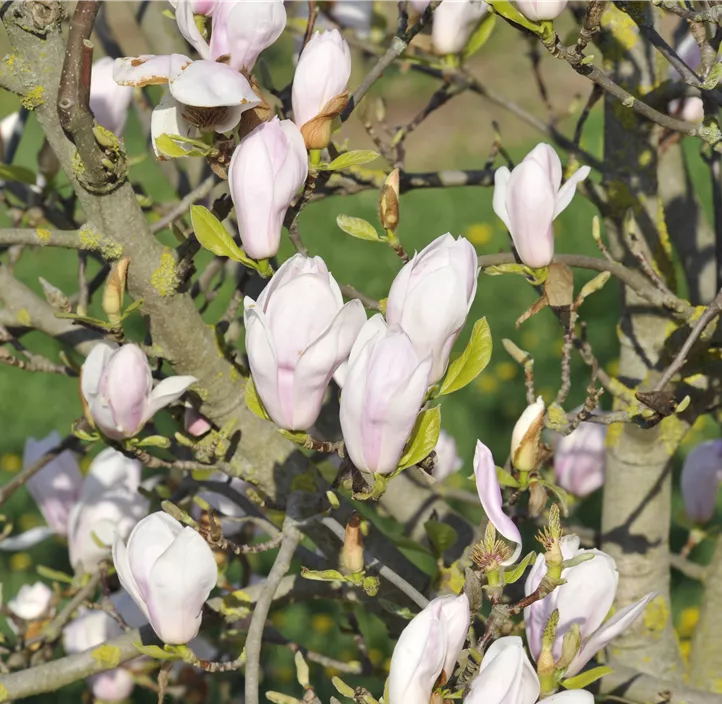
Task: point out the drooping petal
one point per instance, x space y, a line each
24 541
147 69
487 485
567 191
166 392
187 26
208 84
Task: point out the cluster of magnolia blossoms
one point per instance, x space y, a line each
300 334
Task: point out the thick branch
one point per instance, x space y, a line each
65 239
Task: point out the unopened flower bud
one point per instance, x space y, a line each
571 643
114 290
526 437
545 662
389 202
55 297
352 555
550 539
537 499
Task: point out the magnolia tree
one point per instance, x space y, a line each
308 415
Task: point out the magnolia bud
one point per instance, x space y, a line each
545 662
537 499
114 290
571 643
526 437
352 555
389 202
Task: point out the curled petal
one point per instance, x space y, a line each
208 84
148 70
166 392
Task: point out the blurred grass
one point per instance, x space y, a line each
486 409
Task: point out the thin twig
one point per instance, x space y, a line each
178 210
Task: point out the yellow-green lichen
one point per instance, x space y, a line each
656 615
33 98
165 278
24 317
623 31
10 60
673 430
43 235
93 240
3 693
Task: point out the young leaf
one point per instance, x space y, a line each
424 437
55 575
353 158
518 571
322 575
480 36
506 9
167 147
584 679
253 400
17 173
472 361
441 536
155 652
357 227
505 478
298 438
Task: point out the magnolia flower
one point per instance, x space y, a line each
109 102
31 602
526 436
297 334
117 387
382 394
267 169
199 7
537 10
202 95
579 459
227 510
169 570
319 86
505 676
55 489
195 423
93 628
428 648
529 199
109 504
701 476
242 30
454 22
354 14
489 490
431 297
584 599
447 457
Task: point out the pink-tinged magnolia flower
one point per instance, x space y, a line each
537 10
431 297
382 394
242 30
454 22
487 485
584 599
571 696
690 109
428 646
447 457
579 459
31 602
117 387
195 423
93 628
701 476
199 7
297 334
109 102
319 86
505 677
202 95
267 169
529 198
526 436
169 570
109 504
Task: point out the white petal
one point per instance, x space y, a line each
147 70
26 540
567 191
208 84
186 22
166 392
93 367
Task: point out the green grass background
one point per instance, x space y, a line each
35 404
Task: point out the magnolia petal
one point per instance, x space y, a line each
501 182
147 69
166 392
186 21
28 539
207 84
93 367
125 574
489 491
372 327
567 191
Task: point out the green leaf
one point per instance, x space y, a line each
424 437
156 652
516 574
343 688
322 575
358 227
298 438
17 173
506 9
713 77
401 611
441 536
371 585
584 679
253 400
131 308
107 655
154 441
353 158
168 145
56 575
473 360
505 478
480 36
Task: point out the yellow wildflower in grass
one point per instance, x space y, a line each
10 462
479 233
506 371
322 623
486 383
20 562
